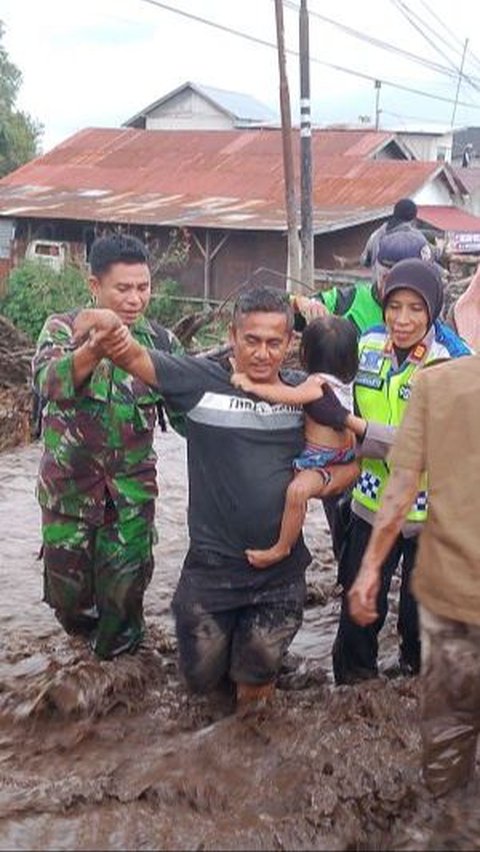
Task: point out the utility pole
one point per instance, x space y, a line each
378 86
307 243
459 83
293 268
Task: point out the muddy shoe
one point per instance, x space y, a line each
254 700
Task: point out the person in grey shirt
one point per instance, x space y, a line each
402 219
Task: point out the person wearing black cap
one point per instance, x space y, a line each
402 219
361 303
390 355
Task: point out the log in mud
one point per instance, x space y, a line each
116 755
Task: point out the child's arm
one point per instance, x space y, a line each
307 391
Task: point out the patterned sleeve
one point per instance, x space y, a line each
53 360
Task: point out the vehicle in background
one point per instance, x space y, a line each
55 254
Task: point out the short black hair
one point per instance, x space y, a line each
116 248
329 345
405 210
266 300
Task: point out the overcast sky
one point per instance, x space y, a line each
95 63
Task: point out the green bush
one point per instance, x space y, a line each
167 305
34 291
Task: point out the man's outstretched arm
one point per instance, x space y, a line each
108 334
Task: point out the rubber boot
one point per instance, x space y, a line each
254 699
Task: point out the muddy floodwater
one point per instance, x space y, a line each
115 755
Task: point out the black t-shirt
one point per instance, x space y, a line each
240 453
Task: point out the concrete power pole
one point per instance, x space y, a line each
293 268
307 242
378 86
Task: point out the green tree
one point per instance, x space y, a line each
19 133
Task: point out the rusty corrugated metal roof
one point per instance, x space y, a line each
449 218
215 179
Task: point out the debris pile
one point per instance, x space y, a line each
16 353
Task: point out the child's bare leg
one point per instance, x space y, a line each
306 484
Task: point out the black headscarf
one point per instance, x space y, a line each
421 276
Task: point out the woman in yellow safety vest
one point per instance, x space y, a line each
389 357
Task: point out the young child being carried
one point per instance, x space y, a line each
329 354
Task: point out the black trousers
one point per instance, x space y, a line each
356 648
338 514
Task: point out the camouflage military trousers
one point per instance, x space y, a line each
95 577
450 700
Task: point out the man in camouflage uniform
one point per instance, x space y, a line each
97 480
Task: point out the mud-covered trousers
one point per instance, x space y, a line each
450 700
95 577
244 644
356 648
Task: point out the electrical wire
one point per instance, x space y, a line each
340 68
375 42
472 56
410 16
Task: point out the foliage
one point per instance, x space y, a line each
173 257
19 133
168 307
34 291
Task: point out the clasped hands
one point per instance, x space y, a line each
103 331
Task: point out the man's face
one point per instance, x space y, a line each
124 288
260 342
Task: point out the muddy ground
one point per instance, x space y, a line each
115 755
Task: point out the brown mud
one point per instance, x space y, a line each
116 755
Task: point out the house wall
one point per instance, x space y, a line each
435 193
472 203
342 249
429 147
187 111
237 261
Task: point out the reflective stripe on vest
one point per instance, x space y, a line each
381 395
364 310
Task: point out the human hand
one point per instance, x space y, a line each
103 320
329 411
241 381
309 308
114 344
362 597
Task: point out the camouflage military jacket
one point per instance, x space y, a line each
97 438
